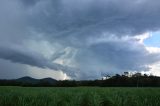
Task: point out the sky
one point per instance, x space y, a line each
78 39
154 40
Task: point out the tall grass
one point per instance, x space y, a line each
79 96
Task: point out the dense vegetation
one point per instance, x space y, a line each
79 96
113 81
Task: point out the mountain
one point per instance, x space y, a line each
49 80
27 79
31 80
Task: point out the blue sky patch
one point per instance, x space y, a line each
153 40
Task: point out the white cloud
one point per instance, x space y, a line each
36 72
155 69
153 49
142 37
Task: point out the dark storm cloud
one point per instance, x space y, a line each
116 57
11 70
87 18
83 25
33 59
126 57
29 2
22 57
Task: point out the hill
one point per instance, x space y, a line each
30 80
27 79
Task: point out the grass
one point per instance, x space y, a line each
79 96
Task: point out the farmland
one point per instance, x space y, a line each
78 96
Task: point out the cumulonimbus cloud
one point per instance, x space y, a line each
95 30
33 59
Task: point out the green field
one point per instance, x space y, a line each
79 96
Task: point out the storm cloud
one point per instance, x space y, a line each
81 38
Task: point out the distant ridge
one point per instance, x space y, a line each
27 79
31 80
135 80
49 80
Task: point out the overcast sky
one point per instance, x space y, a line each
78 39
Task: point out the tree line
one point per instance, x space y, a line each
117 80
